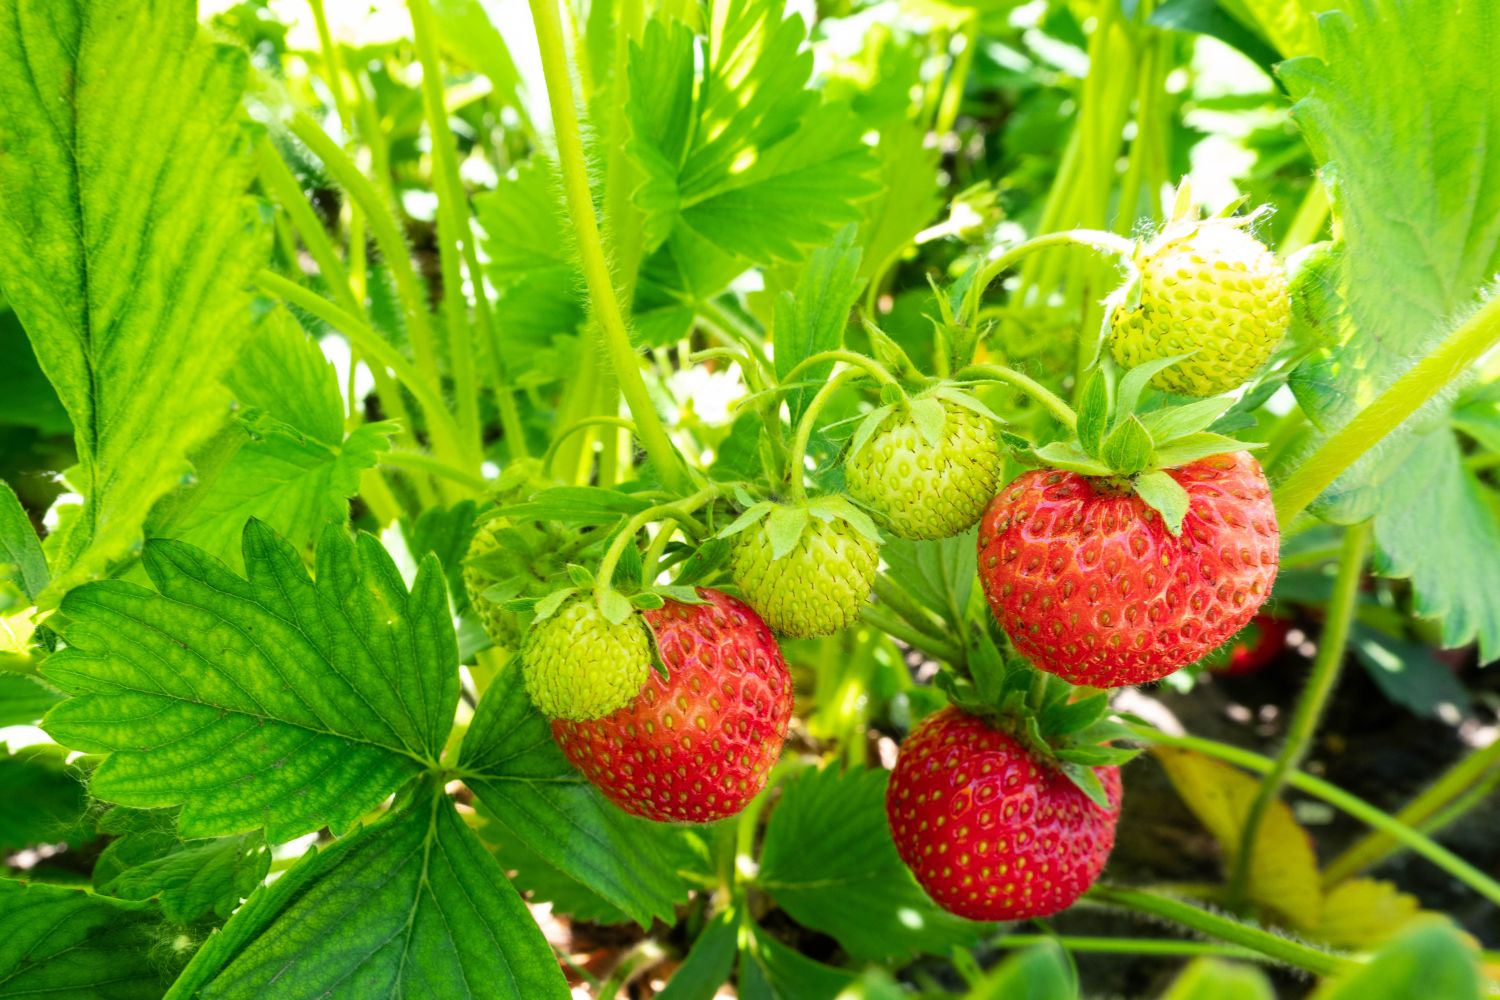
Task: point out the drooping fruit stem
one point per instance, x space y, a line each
1273 946
1051 402
678 510
1335 796
1095 239
575 179
869 366
797 456
1309 711
578 425
1386 412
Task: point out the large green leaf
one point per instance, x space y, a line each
513 765
769 970
1430 960
190 879
813 318
68 944
730 141
410 906
285 461
131 241
273 701
829 861
1420 218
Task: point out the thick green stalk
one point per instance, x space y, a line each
1088 944
1309 711
1273 946
914 637
388 235
574 167
1335 796
1427 812
452 229
1382 415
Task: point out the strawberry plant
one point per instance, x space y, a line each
920 498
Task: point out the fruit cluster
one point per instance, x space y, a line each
1138 545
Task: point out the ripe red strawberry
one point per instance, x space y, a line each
696 746
991 831
1091 586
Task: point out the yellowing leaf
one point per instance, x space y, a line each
1363 912
1284 872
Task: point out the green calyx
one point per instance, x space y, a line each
927 465
1042 713
1117 439
807 567
578 664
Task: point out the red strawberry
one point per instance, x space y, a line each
1091 586
1262 641
990 831
696 746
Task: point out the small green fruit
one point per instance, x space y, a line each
816 588
503 627
1217 292
922 490
579 666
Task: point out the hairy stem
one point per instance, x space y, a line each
1273 946
796 460
679 510
1049 401
1389 410
574 168
1309 711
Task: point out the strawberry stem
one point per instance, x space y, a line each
796 459
1309 711
1000 373
578 425
1383 414
679 510
1094 239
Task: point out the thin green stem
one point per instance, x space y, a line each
1476 771
371 345
335 65
1335 796
574 167
437 467
580 425
388 235
1311 216
1309 711
917 639
1131 946
868 366
281 184
1389 410
953 90
1050 401
1094 239
796 460
678 510
1273 946
452 228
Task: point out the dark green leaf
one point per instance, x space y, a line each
708 963
813 317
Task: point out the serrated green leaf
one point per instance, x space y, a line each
736 148
1415 210
190 879
511 762
940 575
446 532
1128 448
829 861
273 701
410 905
134 289
784 526
811 319
70 943
769 970
21 558
286 461
1164 495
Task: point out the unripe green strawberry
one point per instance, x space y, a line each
816 588
1217 292
579 666
990 830
503 627
920 489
